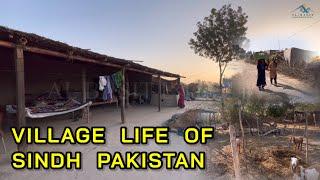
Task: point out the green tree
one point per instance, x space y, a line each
220 37
193 87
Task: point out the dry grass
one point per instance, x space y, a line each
266 157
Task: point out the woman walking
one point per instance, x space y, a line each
273 71
261 81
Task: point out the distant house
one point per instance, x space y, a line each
298 57
271 52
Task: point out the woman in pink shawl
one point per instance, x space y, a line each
181 96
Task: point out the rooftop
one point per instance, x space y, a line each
35 43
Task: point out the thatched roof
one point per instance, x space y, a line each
33 40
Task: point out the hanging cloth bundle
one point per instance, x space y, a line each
102 82
107 91
108 84
117 79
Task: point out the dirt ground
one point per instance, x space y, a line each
110 118
266 157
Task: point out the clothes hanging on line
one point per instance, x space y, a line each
102 82
113 86
110 84
107 91
117 79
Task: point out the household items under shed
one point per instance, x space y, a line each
169 93
50 104
45 106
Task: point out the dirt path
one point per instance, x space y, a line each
296 90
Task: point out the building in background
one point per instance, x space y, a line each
298 57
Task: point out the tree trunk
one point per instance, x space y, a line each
221 90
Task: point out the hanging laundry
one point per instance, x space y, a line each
107 91
113 84
117 78
109 87
102 83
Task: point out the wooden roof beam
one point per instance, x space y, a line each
80 58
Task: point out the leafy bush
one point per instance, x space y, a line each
276 110
256 105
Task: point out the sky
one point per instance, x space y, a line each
157 32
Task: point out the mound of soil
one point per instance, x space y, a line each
184 120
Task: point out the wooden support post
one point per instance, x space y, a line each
135 87
123 96
146 92
127 91
241 126
306 136
314 119
258 127
159 93
294 122
235 154
20 92
84 85
86 110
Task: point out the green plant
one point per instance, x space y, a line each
232 110
256 106
306 107
276 110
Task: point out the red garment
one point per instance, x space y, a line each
181 97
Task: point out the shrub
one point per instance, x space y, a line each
276 110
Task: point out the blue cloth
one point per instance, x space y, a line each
107 91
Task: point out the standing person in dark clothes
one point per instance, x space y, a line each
273 71
261 81
181 96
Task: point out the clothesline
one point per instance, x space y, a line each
109 84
